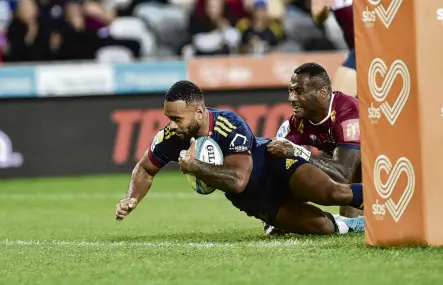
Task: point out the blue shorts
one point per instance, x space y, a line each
350 61
264 200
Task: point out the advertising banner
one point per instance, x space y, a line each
17 82
248 72
398 46
142 77
107 134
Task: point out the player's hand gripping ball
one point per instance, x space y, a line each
206 150
186 157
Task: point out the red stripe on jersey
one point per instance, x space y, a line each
154 160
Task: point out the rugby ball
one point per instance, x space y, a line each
206 150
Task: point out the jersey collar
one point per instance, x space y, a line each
329 112
211 122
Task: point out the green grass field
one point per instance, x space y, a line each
63 231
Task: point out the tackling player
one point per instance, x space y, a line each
326 120
345 79
271 189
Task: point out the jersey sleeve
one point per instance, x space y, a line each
290 131
161 148
235 136
284 129
346 126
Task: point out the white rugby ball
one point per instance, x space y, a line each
206 150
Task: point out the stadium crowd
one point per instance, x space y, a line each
124 30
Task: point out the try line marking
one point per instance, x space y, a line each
274 243
78 196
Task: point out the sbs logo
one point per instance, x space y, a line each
440 15
380 93
385 190
386 16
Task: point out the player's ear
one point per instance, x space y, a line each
200 113
322 93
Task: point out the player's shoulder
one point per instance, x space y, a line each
165 136
227 118
342 103
231 131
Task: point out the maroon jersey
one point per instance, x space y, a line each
343 14
339 129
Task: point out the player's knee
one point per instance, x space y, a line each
350 212
321 226
334 194
329 194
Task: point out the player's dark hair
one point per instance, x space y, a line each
184 90
317 74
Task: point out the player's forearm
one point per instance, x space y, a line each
334 169
140 183
222 177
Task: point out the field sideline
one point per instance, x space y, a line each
63 231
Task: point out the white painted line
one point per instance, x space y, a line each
78 196
272 243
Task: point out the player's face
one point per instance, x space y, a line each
301 96
184 119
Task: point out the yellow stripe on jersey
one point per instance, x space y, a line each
223 126
168 132
220 131
333 115
300 127
224 120
169 135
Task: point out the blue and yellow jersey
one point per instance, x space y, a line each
228 129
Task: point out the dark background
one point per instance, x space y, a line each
77 135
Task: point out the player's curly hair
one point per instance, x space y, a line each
184 90
317 74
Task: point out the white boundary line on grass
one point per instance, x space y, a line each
274 243
78 196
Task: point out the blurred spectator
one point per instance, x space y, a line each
276 9
27 40
114 30
168 21
260 34
302 32
5 16
74 40
115 17
99 14
237 8
212 32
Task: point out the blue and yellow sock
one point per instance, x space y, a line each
357 195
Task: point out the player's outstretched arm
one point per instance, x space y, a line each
231 177
142 177
341 167
141 180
